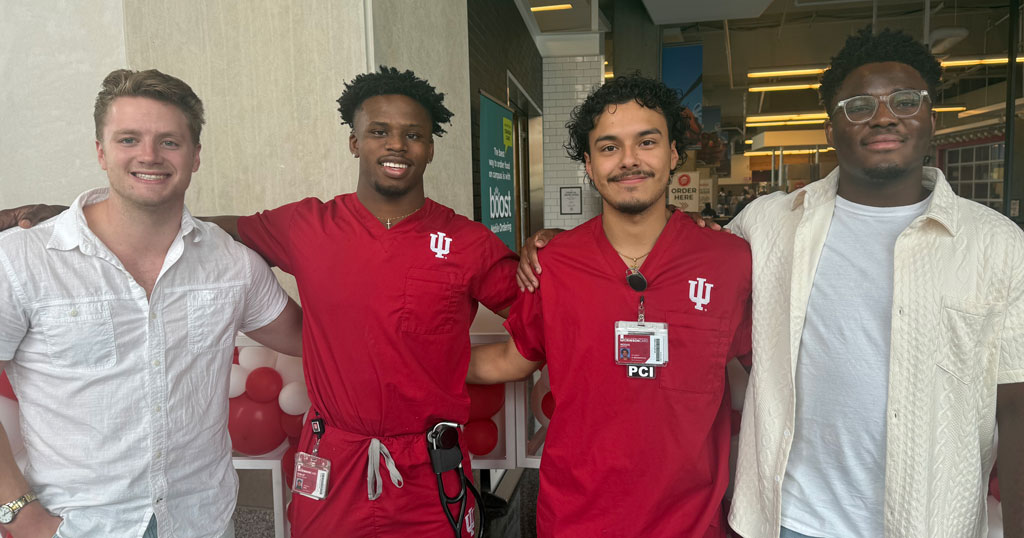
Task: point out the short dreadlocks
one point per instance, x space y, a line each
391 81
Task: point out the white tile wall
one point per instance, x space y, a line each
567 82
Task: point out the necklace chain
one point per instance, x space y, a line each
388 220
636 261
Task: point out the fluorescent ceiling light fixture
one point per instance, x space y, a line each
551 7
992 59
784 87
777 123
609 74
787 152
949 108
998 107
788 116
786 71
749 141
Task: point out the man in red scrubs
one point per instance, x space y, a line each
390 282
640 311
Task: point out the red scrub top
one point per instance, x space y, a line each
626 456
386 312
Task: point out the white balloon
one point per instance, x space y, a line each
9 417
293 398
254 357
290 368
237 385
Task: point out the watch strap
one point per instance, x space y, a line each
16 505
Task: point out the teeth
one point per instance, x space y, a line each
399 166
148 177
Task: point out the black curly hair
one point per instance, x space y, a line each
885 46
647 92
391 81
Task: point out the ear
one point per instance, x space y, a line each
353 144
828 133
195 160
586 165
430 150
933 116
674 160
100 156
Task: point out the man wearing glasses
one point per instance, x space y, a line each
888 329
637 319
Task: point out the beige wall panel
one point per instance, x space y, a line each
54 55
269 73
431 38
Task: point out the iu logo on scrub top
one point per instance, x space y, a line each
440 245
700 293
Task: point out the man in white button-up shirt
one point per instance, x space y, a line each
888 329
117 323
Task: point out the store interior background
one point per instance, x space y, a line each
269 72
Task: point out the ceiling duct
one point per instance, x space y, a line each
943 39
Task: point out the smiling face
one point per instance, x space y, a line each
886 148
148 153
391 136
631 157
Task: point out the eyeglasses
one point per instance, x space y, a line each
902 104
636 280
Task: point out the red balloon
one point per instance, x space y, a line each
288 465
5 387
291 424
255 427
481 436
547 405
264 384
485 400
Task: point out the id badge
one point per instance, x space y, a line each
641 343
311 475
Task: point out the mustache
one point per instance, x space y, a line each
619 176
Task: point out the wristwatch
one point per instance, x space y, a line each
10 510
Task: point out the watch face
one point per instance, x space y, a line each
6 514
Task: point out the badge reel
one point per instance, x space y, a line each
641 346
312 472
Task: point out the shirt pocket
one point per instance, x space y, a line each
968 338
211 318
696 344
428 306
79 336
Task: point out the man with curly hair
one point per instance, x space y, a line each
888 328
390 282
638 444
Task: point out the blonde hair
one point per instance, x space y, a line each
154 85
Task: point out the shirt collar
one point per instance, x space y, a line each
942 209
70 229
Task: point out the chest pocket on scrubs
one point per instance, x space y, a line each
428 306
79 336
967 338
211 318
696 343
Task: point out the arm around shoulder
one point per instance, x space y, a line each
284 334
498 363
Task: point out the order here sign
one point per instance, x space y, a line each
682 191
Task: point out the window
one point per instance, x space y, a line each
976 173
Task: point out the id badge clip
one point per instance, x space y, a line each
641 345
311 471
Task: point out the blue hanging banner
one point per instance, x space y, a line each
497 186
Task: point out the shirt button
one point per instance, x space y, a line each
777 479
160 500
152 315
786 432
74 312
158 409
156 363
159 454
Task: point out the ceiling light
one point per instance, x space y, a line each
783 87
788 116
785 71
990 108
551 7
787 152
949 108
609 74
992 59
749 141
777 123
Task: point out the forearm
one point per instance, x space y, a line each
1010 459
498 363
228 223
12 482
284 334
32 520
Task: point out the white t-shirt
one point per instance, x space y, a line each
835 479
